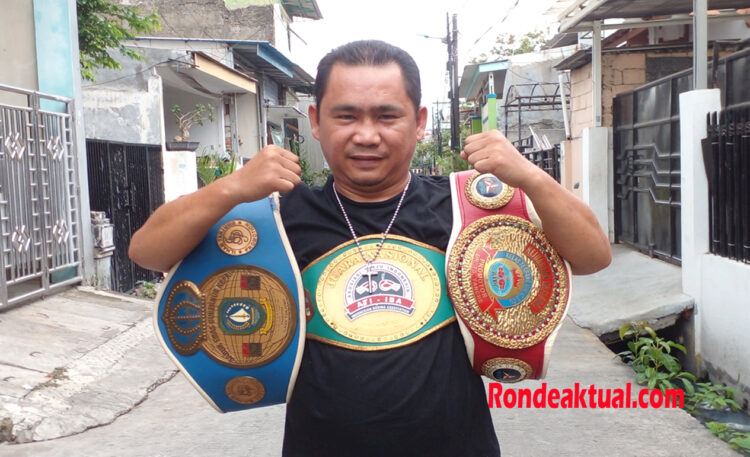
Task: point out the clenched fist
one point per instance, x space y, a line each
491 152
273 169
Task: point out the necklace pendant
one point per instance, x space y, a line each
369 277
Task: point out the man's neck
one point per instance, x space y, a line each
370 194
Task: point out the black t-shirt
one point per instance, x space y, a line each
422 399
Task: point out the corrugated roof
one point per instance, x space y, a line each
302 8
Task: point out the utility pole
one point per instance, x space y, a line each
452 39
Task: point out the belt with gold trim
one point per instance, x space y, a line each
508 285
230 314
400 299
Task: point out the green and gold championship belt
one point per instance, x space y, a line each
230 314
509 286
401 298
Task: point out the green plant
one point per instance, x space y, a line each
212 166
102 26
707 395
186 120
146 289
652 359
737 440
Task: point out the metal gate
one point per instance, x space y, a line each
39 208
647 158
126 181
647 167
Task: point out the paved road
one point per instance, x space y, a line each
174 421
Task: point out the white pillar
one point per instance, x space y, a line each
596 73
700 44
694 106
596 170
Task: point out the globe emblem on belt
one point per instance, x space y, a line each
242 316
508 278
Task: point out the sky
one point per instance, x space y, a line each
405 22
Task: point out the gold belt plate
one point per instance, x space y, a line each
507 282
405 293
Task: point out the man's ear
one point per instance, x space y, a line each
312 114
421 122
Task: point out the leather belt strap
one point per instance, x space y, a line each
230 314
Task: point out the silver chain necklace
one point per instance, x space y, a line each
369 261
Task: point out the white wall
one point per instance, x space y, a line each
17 49
725 321
210 134
129 115
247 124
720 287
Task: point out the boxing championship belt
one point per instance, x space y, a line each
231 313
508 285
399 299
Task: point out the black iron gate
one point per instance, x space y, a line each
647 167
647 159
126 181
726 155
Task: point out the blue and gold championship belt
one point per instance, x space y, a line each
230 315
508 285
400 299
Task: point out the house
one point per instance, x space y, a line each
523 97
250 87
636 157
45 228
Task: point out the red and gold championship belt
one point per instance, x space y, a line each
509 287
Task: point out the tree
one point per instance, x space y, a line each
507 44
103 26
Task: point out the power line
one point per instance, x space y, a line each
507 14
137 72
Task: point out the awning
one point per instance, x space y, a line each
277 113
576 15
302 8
260 56
206 76
475 79
255 56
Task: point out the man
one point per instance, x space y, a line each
370 388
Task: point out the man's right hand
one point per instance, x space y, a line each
174 229
273 169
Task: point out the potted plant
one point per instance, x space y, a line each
213 165
185 120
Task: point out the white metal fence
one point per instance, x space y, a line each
39 209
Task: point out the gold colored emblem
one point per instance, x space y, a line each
183 316
250 316
245 389
507 282
487 191
237 237
505 369
394 298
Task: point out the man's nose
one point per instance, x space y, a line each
367 133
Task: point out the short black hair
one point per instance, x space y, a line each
372 53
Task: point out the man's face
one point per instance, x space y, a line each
368 129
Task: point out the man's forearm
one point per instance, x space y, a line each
178 226
569 225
